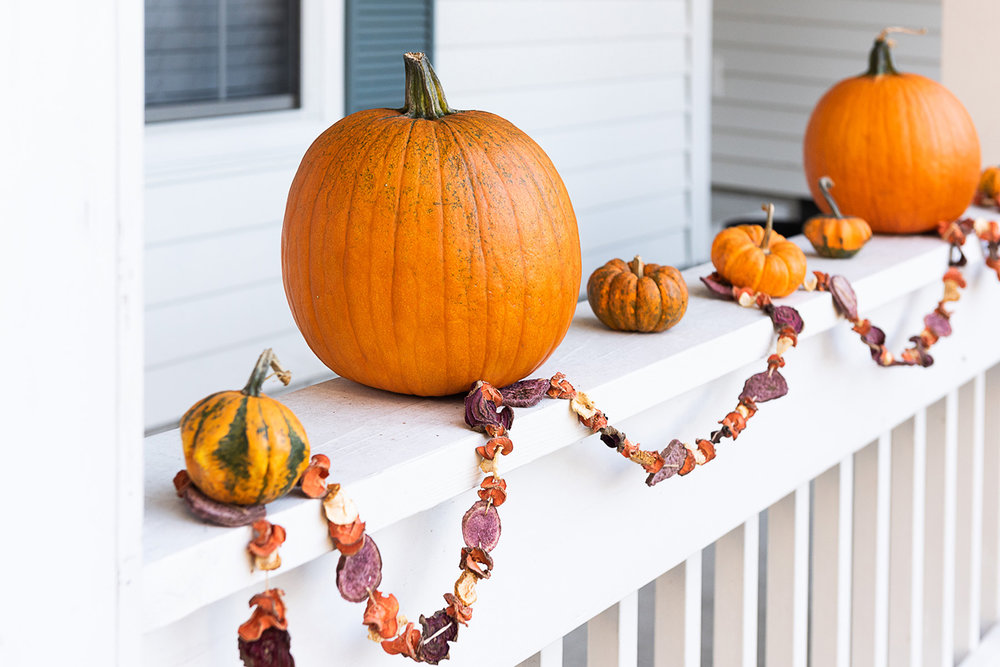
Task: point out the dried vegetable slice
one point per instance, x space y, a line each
481 526
524 393
360 573
437 632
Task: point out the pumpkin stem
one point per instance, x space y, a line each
825 183
765 243
637 266
880 57
424 97
265 361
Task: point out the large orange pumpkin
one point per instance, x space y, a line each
426 248
902 149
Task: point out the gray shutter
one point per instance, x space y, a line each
207 57
378 33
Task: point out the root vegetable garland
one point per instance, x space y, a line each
264 641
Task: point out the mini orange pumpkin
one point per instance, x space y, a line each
759 258
834 235
989 186
637 296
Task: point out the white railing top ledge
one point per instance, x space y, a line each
399 455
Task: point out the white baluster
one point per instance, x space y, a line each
869 590
735 609
968 522
831 561
906 543
612 635
991 501
670 605
788 580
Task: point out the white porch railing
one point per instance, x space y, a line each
878 486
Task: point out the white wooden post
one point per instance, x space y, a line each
870 581
830 604
612 635
70 289
677 616
969 516
991 501
788 580
736 562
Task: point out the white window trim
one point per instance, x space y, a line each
200 148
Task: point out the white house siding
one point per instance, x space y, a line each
774 59
604 86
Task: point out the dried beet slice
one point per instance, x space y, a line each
765 386
358 574
438 630
525 393
481 526
718 285
844 298
673 458
784 316
938 324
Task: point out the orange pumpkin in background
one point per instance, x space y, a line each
425 248
759 258
901 148
836 236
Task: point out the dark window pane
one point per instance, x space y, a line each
211 57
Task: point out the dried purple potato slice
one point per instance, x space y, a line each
437 631
765 386
938 324
785 316
924 358
718 285
673 458
844 298
481 526
875 338
358 574
612 437
273 649
524 393
480 412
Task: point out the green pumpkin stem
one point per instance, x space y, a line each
267 360
880 57
424 97
825 183
765 243
637 266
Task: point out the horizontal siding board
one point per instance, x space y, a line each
567 20
756 147
224 262
737 117
784 181
852 42
631 220
744 89
553 108
636 178
184 210
802 66
208 325
615 142
500 68
842 12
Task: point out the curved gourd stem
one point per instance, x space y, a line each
424 97
880 57
768 228
637 267
266 360
825 183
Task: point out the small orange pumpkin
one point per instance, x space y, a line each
637 297
834 235
759 258
989 185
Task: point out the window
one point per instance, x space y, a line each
218 57
379 32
